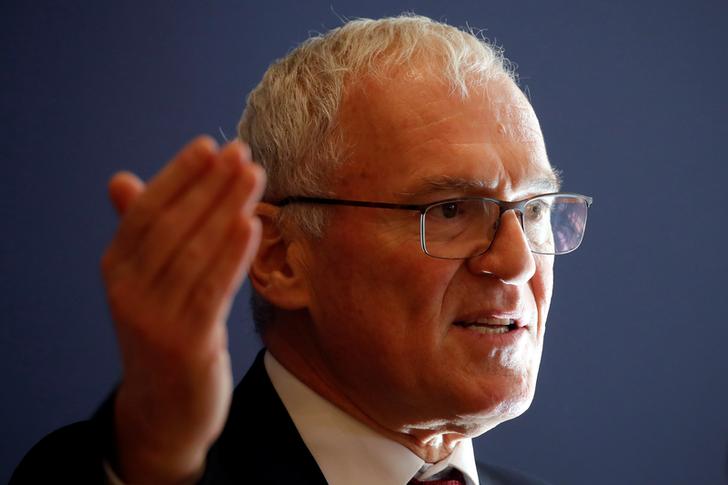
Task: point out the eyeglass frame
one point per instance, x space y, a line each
503 205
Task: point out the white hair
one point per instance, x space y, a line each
290 120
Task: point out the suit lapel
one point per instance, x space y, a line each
260 443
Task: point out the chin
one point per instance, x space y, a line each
500 403
515 405
499 410
509 392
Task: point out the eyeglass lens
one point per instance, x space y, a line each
553 224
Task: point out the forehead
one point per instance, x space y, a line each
409 133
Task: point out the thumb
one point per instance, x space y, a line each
124 188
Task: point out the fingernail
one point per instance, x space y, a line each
244 148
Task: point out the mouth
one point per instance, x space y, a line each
490 325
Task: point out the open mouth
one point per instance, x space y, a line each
490 325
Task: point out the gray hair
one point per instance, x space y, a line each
290 120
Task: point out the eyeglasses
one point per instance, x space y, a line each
464 228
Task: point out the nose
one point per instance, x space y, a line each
509 257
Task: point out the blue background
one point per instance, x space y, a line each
632 100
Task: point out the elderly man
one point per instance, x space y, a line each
402 266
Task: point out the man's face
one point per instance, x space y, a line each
402 335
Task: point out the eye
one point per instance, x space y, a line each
449 210
536 210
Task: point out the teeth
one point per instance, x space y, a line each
489 325
493 321
499 329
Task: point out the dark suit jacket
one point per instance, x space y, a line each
258 423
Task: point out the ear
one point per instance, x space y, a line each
277 272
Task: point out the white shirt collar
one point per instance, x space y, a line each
347 451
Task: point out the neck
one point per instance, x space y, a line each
431 442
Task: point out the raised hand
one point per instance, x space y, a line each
171 272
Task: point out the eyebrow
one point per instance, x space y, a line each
449 183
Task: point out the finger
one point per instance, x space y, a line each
194 158
124 188
210 298
179 222
172 181
201 248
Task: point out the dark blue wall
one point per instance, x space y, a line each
633 103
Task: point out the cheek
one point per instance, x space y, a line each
370 279
380 307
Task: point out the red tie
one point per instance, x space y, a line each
452 478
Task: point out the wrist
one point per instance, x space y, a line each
147 457
145 468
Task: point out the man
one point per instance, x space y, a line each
402 278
